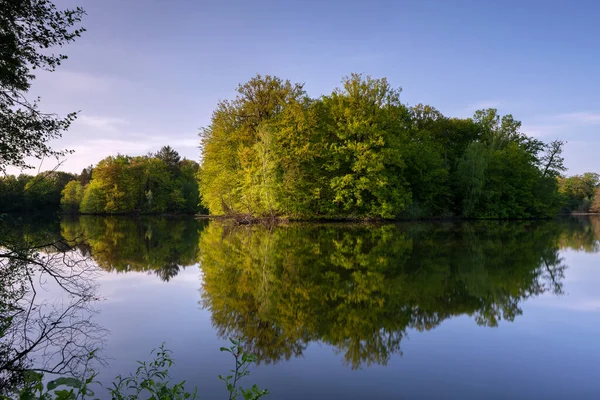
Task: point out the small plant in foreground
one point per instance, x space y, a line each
63 388
150 381
242 362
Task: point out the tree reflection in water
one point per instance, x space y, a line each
356 287
359 288
158 245
53 335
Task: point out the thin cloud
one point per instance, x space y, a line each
543 130
107 124
483 105
584 117
74 81
93 150
469 110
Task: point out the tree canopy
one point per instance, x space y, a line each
359 152
150 184
580 192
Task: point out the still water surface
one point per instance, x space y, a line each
470 310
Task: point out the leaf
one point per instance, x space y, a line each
64 394
64 381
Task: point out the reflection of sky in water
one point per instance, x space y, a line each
552 351
582 284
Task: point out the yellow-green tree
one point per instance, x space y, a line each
72 195
236 147
360 153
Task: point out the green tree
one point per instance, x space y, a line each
364 157
427 166
86 175
12 192
170 157
229 157
146 184
360 153
158 186
72 195
471 177
42 193
595 207
187 186
93 200
29 28
578 191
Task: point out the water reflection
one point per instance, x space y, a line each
53 334
360 288
152 244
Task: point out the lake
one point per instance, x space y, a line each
412 310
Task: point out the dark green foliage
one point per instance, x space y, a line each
85 176
28 29
360 153
29 194
170 157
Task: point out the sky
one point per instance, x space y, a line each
148 73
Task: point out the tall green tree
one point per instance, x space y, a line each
72 195
229 157
169 156
29 28
367 165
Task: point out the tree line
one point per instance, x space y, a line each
26 193
360 152
156 183
580 193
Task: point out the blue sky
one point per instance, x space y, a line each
150 72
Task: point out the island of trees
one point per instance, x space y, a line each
360 153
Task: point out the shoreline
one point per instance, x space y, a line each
246 220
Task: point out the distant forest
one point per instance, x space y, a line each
273 151
156 183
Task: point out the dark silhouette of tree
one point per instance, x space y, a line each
58 335
86 175
28 28
169 156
